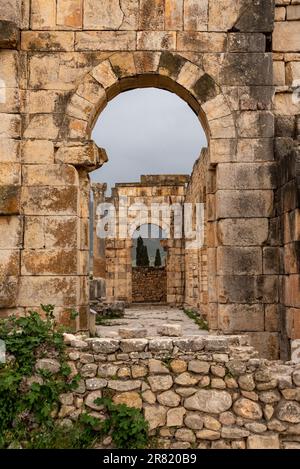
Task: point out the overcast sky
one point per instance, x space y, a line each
147 131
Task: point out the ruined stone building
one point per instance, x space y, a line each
237 64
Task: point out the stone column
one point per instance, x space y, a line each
11 222
99 264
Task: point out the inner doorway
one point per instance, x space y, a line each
149 274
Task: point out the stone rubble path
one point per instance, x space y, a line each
150 317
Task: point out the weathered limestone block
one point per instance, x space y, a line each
132 333
46 232
157 367
255 124
223 14
246 204
48 364
175 417
36 290
197 366
47 41
49 175
9 68
156 40
41 126
195 15
151 14
131 399
156 416
11 10
9 35
10 150
9 291
185 434
11 228
81 154
9 200
240 68
246 42
248 289
105 40
292 72
10 174
172 330
201 42
129 385
178 366
158 344
174 15
243 231
263 442
209 401
251 150
48 262
50 200
186 379
239 260
133 345
37 152
169 399
189 344
208 435
288 411
9 263
69 13
10 126
160 383
43 14
103 14
194 421
256 16
236 318
286 36
247 409
90 400
246 176
279 73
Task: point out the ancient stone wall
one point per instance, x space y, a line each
62 61
204 392
196 268
285 255
149 285
153 189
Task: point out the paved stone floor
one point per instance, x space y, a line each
150 317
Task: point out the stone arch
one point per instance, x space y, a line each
123 71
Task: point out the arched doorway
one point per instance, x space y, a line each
149 261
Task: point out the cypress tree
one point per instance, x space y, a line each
145 259
157 262
139 251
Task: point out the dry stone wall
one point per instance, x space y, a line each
149 285
204 392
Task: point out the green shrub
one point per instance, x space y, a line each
27 413
127 426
